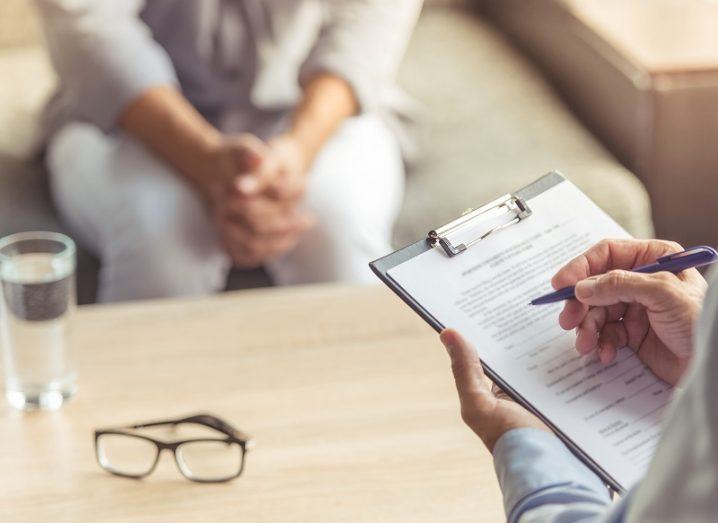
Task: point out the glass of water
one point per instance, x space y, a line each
37 275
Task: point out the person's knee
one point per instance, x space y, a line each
344 216
77 161
169 244
73 151
355 200
162 236
149 227
356 184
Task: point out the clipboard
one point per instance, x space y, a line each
518 207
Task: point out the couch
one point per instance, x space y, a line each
490 124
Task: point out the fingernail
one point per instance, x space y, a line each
247 184
585 288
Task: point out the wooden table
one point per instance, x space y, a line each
348 395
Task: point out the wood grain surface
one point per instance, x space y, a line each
348 395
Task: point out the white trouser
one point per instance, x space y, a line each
155 239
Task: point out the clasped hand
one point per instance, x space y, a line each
255 194
652 314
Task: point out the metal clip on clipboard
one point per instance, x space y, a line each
508 204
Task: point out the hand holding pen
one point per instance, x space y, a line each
614 306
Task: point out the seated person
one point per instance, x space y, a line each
187 137
653 314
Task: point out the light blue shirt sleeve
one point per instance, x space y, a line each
542 482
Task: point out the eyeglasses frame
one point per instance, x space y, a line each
232 434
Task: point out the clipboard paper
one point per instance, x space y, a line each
608 415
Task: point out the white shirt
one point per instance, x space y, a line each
239 62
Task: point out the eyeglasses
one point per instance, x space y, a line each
125 453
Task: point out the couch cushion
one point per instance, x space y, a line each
27 81
492 125
24 198
19 24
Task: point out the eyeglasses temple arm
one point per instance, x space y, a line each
153 424
209 420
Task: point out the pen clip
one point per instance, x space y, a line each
699 255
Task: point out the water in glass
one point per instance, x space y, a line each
38 302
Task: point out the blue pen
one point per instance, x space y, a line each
675 263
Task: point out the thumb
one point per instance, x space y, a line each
259 180
620 286
252 157
292 187
466 366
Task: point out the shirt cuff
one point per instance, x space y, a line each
531 463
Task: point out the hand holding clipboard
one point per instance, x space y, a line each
478 273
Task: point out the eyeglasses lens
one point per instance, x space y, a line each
210 460
125 454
